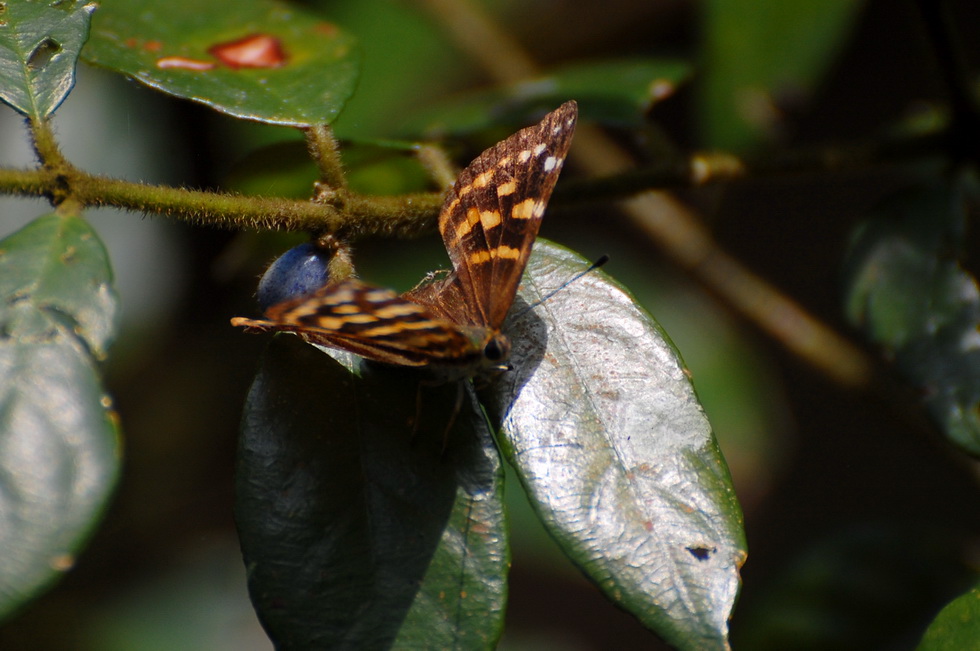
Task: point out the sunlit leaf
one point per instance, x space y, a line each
264 61
908 292
356 532
39 45
58 435
603 427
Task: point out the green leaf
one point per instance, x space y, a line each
59 453
757 54
956 627
602 425
170 47
39 45
907 292
617 93
357 533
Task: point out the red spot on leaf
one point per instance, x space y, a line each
184 63
254 51
131 42
153 46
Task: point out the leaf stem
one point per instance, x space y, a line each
325 151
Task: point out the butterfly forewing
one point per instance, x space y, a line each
493 212
488 223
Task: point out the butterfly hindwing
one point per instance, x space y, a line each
493 212
370 321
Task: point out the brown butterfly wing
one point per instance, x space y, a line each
492 215
372 322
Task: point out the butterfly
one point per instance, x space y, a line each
452 323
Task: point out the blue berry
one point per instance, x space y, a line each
298 272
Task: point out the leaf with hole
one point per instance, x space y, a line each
39 46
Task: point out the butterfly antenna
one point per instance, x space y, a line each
595 265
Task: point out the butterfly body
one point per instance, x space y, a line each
488 223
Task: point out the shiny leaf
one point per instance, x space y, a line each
603 427
177 46
58 436
356 532
39 45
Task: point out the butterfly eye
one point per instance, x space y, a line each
497 349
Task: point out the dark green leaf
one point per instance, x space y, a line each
616 93
956 627
58 437
602 425
39 45
357 534
170 46
760 55
908 293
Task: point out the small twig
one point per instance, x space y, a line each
325 151
437 164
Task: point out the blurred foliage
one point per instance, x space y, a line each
812 463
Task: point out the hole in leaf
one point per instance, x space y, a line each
702 553
253 51
43 54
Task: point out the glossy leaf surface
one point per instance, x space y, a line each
357 533
58 436
603 427
308 72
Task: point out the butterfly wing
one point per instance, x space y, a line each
371 322
493 212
